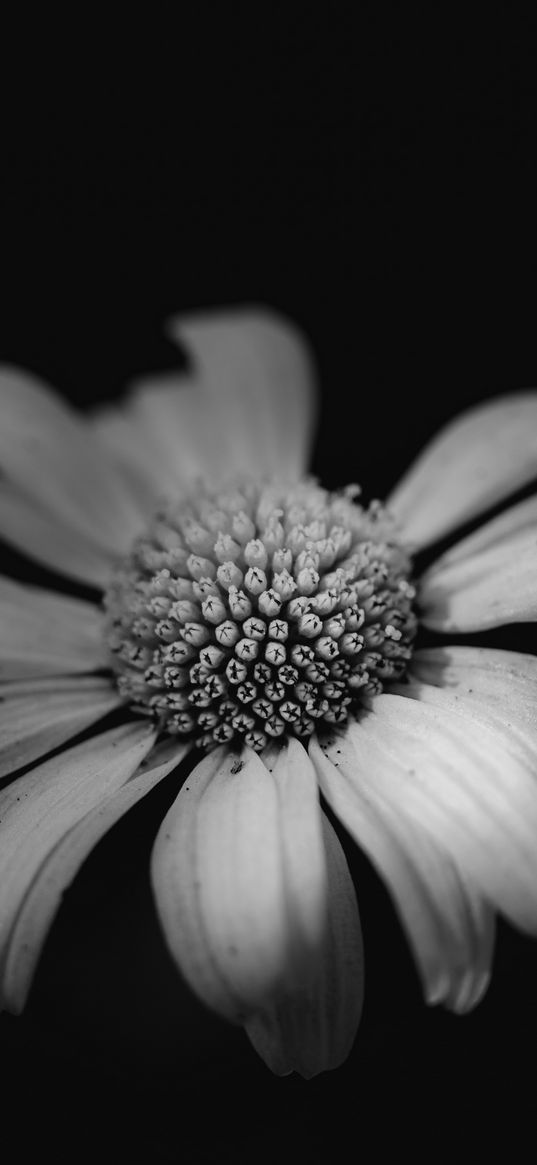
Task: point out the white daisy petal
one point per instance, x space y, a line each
44 634
220 885
256 373
249 402
519 736
484 590
505 682
38 809
49 454
475 461
62 864
466 784
33 723
173 423
312 1030
449 927
514 520
50 542
240 878
133 455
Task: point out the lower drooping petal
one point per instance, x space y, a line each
38 809
62 864
449 927
469 789
312 1028
240 874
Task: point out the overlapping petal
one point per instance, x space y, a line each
246 407
475 461
466 785
38 809
449 926
135 454
489 588
503 682
50 542
32 722
62 863
45 634
518 519
48 457
313 1028
240 877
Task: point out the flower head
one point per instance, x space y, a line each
252 616
253 613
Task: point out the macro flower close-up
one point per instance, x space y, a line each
281 637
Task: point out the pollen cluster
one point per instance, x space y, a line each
251 612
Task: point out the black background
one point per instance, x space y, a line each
371 174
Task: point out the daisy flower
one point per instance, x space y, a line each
268 626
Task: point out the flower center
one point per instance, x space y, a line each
260 610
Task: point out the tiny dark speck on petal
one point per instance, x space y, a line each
237 766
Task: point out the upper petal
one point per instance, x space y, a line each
476 460
247 407
240 876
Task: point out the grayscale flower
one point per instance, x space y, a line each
254 616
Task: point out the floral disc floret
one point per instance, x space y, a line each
260 610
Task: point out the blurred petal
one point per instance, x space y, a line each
449 927
475 461
33 723
485 589
240 877
50 542
50 456
38 809
248 405
465 783
44 896
312 1029
134 456
45 634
